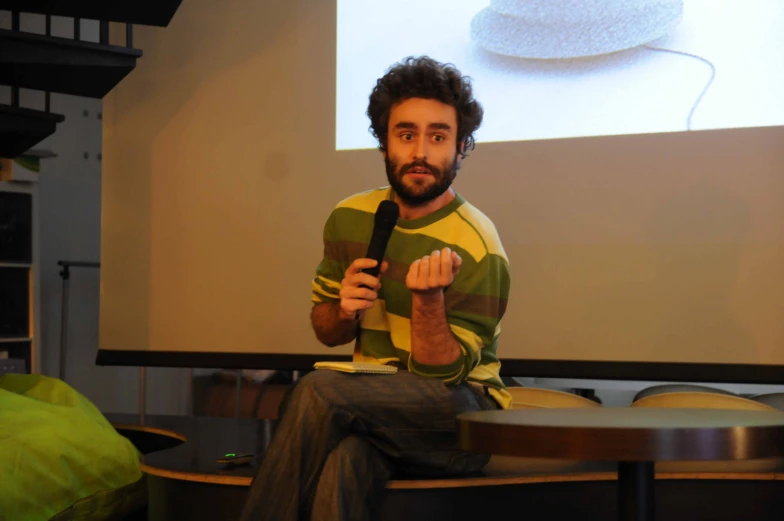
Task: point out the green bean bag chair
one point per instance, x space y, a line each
60 458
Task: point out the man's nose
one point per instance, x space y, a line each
420 148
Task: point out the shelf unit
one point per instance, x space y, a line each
19 274
22 128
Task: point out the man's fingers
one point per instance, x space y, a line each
359 265
424 272
434 280
413 274
363 279
384 267
351 306
359 292
364 304
446 267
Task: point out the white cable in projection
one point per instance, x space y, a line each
568 29
707 85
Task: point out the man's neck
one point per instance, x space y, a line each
416 212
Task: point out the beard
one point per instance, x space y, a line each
420 192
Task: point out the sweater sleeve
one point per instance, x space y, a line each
475 304
325 286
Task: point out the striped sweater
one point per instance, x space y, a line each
475 302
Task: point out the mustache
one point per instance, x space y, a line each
420 164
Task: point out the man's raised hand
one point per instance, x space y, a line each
434 272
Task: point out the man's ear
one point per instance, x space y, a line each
460 153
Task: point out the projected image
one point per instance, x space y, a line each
546 69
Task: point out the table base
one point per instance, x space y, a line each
636 497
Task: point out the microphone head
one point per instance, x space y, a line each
387 214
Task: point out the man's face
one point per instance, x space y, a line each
421 156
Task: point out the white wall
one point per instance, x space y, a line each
69 203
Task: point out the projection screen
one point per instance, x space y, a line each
637 184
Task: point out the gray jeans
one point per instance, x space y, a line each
343 436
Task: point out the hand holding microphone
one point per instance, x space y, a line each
359 289
362 280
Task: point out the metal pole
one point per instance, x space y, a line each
142 394
129 35
65 273
636 493
189 396
238 399
15 26
103 32
47 95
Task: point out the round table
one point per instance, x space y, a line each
634 437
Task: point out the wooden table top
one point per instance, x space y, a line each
204 440
626 434
190 446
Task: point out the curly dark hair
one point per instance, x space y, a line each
424 77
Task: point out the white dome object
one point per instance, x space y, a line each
551 29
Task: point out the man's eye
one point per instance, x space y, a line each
438 137
407 137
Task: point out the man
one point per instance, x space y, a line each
434 311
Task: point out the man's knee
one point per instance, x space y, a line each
308 392
317 382
352 448
357 456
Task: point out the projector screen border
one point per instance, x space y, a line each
593 370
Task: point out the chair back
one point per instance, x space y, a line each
701 400
536 398
678 388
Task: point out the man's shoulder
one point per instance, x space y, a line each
484 227
366 201
352 218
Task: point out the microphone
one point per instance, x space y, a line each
385 221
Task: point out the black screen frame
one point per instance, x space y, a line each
577 369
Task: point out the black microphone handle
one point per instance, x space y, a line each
376 250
